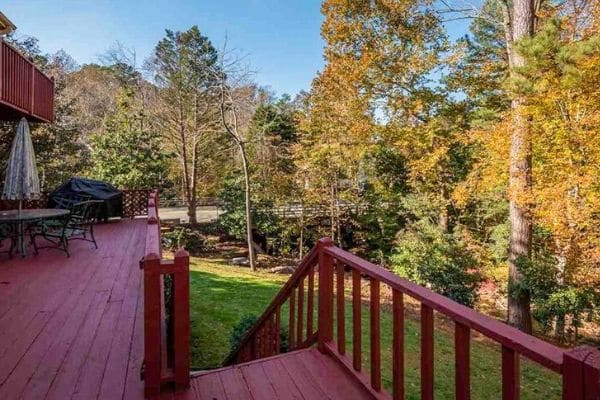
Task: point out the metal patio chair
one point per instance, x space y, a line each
78 225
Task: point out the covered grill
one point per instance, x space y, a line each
91 190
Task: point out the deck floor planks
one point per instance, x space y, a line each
43 343
209 387
330 377
234 384
134 387
280 380
305 382
80 334
93 372
43 377
258 382
70 312
113 384
42 293
35 335
83 370
299 375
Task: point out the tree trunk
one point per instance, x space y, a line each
247 193
301 244
519 313
443 221
192 210
559 330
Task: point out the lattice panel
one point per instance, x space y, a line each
135 202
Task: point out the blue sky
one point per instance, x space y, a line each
281 38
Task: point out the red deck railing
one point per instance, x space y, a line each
166 357
579 367
24 89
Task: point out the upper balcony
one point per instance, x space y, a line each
25 91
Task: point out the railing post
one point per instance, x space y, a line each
181 319
325 317
152 319
581 374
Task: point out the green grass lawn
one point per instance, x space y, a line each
222 294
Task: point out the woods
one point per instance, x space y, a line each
470 165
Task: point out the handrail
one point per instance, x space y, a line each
250 346
533 348
579 367
23 86
166 360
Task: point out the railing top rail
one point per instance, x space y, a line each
542 352
153 230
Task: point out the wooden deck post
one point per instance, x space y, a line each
181 319
152 325
581 374
325 317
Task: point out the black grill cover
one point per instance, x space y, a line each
96 190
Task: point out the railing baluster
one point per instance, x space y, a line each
300 326
510 374
341 315
263 341
292 321
356 321
426 352
310 302
277 329
462 354
375 337
398 345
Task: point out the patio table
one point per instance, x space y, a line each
18 218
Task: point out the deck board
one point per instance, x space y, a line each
304 375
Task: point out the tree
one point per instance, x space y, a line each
183 66
238 100
129 153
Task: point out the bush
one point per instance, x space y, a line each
233 219
246 323
441 261
186 237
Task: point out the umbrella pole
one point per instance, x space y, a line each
20 238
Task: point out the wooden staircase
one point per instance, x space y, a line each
324 272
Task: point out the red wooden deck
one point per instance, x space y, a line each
71 328
304 374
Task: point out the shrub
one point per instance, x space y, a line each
246 323
439 260
186 237
233 219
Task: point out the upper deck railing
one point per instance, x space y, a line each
24 89
579 367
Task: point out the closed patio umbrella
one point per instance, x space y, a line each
21 182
